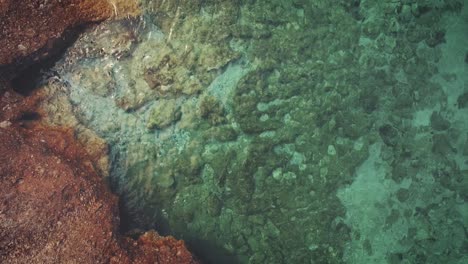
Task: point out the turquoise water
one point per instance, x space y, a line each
293 131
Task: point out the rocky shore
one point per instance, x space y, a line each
55 204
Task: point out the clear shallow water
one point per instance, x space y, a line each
285 131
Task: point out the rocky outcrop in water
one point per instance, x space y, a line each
55 204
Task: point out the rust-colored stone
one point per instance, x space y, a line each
31 26
34 30
54 207
152 248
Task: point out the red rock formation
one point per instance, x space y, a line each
54 207
33 30
31 26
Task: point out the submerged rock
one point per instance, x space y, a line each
163 114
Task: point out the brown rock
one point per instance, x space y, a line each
152 248
32 29
55 208
30 25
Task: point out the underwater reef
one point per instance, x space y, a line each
297 131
